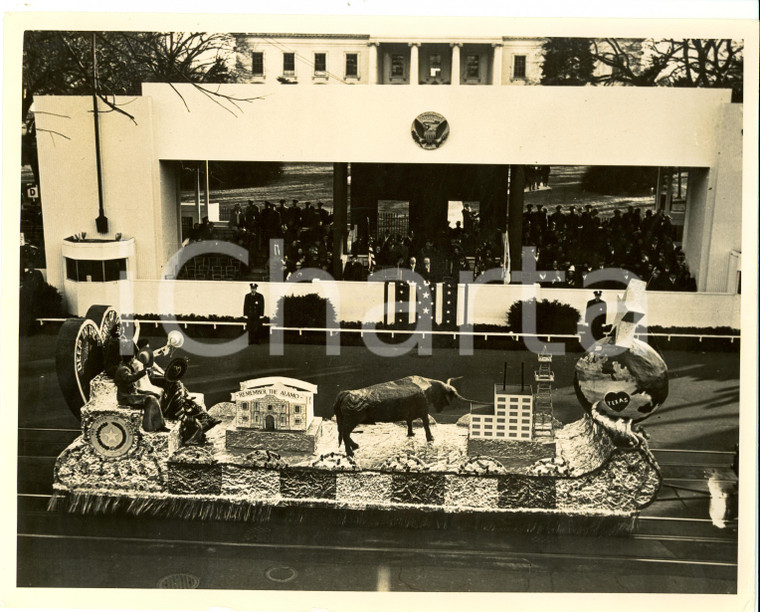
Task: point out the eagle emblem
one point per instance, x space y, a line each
430 130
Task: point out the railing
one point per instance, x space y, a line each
393 332
395 223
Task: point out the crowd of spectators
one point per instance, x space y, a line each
579 241
436 258
306 232
574 242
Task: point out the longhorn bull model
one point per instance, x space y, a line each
405 399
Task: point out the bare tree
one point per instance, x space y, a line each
689 62
62 63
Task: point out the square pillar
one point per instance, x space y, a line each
414 64
456 69
498 54
340 215
373 72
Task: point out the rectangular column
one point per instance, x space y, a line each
455 63
414 64
515 215
498 53
340 215
373 72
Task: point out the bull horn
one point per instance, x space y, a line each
467 399
457 394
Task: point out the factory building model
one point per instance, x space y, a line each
518 428
511 419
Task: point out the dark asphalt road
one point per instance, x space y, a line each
687 555
701 412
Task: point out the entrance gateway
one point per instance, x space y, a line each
492 132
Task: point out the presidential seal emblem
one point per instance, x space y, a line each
111 436
430 130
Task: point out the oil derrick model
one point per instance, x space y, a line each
542 409
517 428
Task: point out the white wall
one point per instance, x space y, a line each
490 304
304 49
725 229
549 125
712 227
523 125
695 229
359 301
68 179
531 48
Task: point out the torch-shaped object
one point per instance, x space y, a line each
174 340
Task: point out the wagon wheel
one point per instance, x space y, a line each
105 317
78 359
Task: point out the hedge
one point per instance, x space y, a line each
309 310
551 317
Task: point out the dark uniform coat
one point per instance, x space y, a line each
253 309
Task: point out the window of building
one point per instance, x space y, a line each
269 407
397 65
472 66
297 409
257 63
289 63
113 269
71 269
297 421
352 65
519 72
94 270
435 65
320 63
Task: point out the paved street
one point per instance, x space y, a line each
674 547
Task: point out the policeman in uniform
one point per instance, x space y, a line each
596 315
253 309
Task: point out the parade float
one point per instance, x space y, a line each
265 454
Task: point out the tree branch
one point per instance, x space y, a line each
51 132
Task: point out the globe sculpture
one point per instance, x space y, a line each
623 382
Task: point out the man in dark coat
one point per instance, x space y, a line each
596 315
354 270
253 309
128 394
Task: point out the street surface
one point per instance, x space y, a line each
674 547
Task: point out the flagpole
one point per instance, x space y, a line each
507 255
101 223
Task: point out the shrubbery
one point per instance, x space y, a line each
551 317
38 300
305 311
